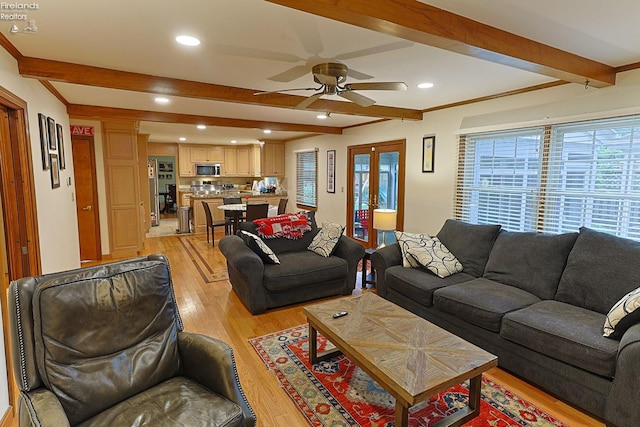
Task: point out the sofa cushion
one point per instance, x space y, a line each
482 301
436 258
303 268
622 315
324 243
564 332
600 271
418 284
530 261
407 241
470 243
256 244
280 244
180 400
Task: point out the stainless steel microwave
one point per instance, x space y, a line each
208 169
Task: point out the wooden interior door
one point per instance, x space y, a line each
377 181
86 197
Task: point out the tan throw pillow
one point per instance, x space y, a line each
411 240
325 242
436 257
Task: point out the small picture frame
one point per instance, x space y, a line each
331 171
63 163
44 140
428 153
55 170
51 127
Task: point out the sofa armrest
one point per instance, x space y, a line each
40 407
622 407
210 362
382 259
246 271
352 252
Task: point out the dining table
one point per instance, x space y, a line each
238 208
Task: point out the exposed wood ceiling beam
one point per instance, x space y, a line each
102 113
44 69
422 23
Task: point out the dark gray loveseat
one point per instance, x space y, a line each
302 275
539 303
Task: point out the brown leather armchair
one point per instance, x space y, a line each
104 346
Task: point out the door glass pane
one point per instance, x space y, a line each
388 165
362 164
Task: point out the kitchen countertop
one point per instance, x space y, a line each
236 193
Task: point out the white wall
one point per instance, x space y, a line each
429 196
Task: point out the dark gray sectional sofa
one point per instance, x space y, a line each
301 276
538 302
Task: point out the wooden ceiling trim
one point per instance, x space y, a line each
54 91
44 69
109 113
422 23
9 47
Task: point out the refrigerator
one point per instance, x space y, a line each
152 166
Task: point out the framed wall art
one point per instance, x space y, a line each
428 153
51 127
55 171
44 140
331 171
63 162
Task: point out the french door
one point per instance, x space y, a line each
376 182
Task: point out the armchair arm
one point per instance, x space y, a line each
622 409
351 251
382 259
40 407
210 362
246 271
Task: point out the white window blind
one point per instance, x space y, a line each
594 177
554 179
307 178
499 178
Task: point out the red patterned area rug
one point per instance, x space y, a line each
337 393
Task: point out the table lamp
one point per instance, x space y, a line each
384 220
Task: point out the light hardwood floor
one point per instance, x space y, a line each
209 306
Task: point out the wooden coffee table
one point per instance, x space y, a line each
408 356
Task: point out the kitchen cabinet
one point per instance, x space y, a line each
199 216
185 167
272 159
230 162
255 167
242 161
185 198
207 154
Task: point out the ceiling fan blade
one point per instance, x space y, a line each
376 86
291 74
361 100
358 75
306 28
401 44
287 90
310 100
248 52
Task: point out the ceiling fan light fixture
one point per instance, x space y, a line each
425 85
187 40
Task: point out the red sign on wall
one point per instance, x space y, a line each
81 130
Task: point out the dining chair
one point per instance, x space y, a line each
282 206
211 224
256 211
232 201
171 198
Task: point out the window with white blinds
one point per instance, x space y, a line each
554 179
307 179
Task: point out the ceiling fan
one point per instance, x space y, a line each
332 76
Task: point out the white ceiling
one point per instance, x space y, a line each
244 42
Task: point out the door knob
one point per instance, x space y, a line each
87 208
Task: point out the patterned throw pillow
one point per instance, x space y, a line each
622 315
437 258
325 242
411 240
256 244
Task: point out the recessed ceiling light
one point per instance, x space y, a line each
182 138
187 40
233 141
322 116
267 131
201 127
425 85
161 100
